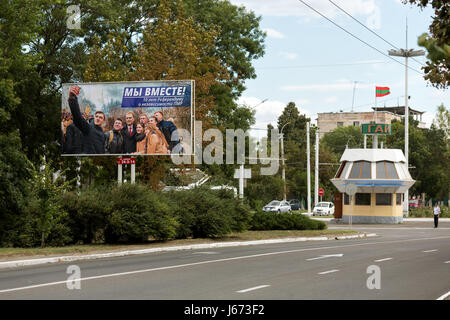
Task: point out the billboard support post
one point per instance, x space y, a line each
119 174
133 172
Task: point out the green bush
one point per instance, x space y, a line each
284 221
203 212
428 212
137 214
88 213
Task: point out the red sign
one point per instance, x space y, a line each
321 192
126 160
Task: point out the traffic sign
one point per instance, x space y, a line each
321 192
375 128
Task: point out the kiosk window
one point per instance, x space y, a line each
346 199
343 170
399 199
386 170
362 199
384 199
361 169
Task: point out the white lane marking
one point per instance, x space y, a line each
444 296
385 259
254 288
329 271
433 250
326 256
215 261
205 252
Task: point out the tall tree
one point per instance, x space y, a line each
442 120
343 137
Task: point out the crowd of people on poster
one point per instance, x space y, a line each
138 132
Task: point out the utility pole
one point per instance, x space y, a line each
406 54
308 168
353 99
316 170
283 172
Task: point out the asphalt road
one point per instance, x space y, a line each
411 261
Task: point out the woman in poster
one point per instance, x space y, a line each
141 139
157 143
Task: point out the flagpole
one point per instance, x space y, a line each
374 136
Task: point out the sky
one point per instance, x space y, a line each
322 68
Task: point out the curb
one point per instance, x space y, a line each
33 262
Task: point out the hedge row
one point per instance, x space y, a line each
428 212
134 213
284 221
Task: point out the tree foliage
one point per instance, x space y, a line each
437 43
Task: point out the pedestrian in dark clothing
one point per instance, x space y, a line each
129 132
93 136
114 140
170 132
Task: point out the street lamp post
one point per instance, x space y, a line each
283 173
406 53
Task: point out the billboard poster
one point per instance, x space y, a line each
127 118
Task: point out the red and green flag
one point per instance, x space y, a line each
381 91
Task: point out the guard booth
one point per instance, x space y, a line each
378 179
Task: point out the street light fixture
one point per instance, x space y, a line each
406 53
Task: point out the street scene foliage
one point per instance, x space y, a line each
50 200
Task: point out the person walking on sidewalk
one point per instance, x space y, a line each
437 211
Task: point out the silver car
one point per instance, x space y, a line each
277 206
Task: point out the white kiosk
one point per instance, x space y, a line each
381 178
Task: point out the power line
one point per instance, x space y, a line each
324 65
392 45
367 44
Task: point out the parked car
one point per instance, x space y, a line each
277 206
323 209
295 204
415 203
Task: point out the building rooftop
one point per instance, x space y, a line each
398 110
373 155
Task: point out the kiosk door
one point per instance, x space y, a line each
338 205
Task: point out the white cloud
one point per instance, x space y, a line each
296 8
340 86
440 94
332 99
288 55
272 33
269 111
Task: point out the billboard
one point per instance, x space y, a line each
123 118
